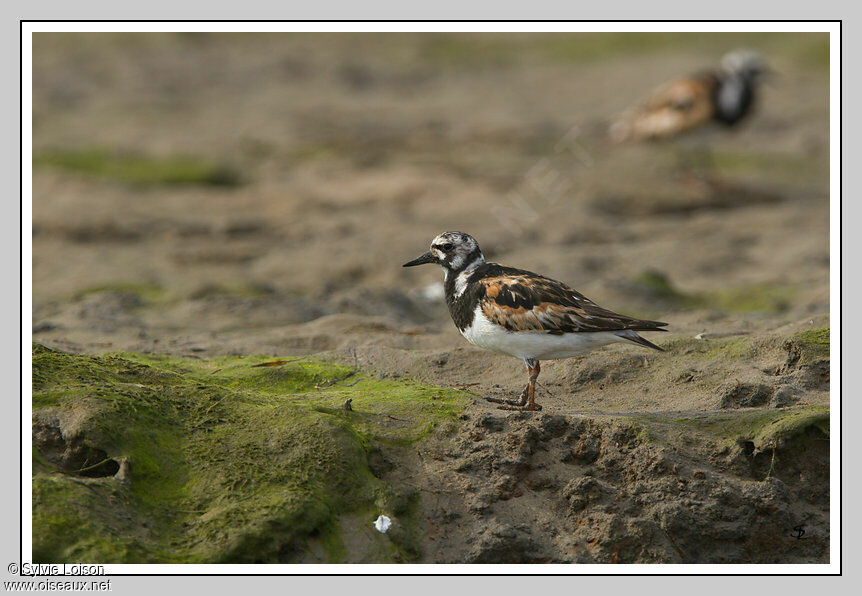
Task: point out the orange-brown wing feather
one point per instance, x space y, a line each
672 108
529 302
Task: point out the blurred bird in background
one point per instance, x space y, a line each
724 95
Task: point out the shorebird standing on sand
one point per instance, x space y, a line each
523 314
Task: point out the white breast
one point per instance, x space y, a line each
533 344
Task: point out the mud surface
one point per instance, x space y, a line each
209 195
588 490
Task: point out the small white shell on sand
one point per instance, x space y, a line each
382 524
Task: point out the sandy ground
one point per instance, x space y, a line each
354 151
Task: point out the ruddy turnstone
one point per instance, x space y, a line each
723 95
521 313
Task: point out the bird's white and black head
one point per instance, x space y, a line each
745 64
456 252
741 70
461 258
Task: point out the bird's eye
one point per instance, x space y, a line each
447 247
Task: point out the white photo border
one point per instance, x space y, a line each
833 28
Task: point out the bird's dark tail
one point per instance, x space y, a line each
635 338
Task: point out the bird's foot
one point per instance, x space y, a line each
515 404
508 402
533 407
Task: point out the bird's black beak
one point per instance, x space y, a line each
426 258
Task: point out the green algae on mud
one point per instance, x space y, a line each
733 347
812 343
226 462
138 170
765 298
763 428
146 293
803 347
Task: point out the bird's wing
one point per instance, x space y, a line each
524 301
672 108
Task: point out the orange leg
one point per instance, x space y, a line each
527 401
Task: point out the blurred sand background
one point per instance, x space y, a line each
257 193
